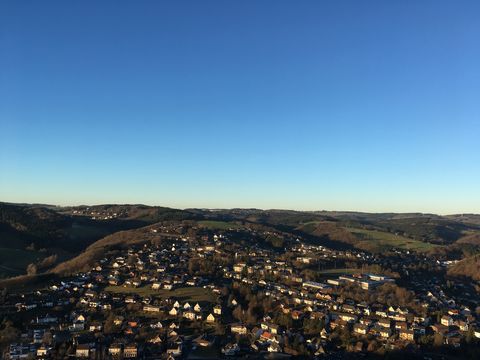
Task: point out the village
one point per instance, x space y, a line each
210 295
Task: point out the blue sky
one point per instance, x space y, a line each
352 105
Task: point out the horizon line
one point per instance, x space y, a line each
235 208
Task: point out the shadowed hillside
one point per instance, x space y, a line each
100 248
31 233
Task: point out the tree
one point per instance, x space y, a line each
239 314
372 346
47 338
31 269
8 333
219 329
48 261
438 340
109 326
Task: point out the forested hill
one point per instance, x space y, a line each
31 233
428 228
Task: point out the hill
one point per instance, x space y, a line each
468 267
368 231
32 233
471 239
115 242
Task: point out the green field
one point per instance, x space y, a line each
192 294
373 240
14 262
219 225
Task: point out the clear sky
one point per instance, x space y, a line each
337 105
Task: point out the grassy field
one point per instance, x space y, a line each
192 294
373 240
219 225
14 262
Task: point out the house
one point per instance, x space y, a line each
157 325
440 329
82 351
77 326
297 315
360 329
217 310
43 351
347 317
386 323
446 320
273 328
197 308
132 323
130 351
366 321
211 318
95 327
151 308
115 350
118 321
190 315
463 325
266 336
238 268
156 286
175 347
384 333
349 308
130 300
155 339
173 312
408 335
238 329
274 347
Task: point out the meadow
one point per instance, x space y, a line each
376 241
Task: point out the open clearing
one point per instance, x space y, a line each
219 225
373 240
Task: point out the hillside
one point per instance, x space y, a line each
468 267
471 239
368 231
141 213
31 233
100 248
470 219
331 230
